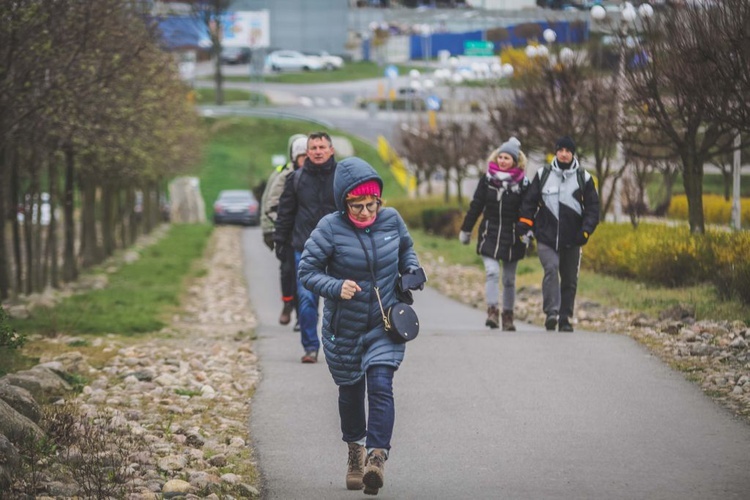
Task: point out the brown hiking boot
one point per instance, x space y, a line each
373 478
508 325
310 357
493 317
286 312
355 466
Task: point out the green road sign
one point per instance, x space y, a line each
475 48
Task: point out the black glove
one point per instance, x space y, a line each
413 279
582 238
280 251
268 240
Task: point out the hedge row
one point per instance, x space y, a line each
716 210
672 256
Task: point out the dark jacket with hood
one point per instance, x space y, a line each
304 202
499 205
353 334
558 211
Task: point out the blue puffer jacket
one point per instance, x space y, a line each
353 334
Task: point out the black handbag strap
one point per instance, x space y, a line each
374 282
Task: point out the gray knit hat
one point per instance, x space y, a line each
512 147
299 147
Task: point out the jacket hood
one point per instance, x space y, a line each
290 142
349 174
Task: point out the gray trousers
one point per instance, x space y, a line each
560 279
492 283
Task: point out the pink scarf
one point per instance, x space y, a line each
362 225
512 176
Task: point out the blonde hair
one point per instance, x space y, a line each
521 163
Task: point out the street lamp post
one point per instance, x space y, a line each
736 178
628 16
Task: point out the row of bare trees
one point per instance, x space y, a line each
92 115
683 95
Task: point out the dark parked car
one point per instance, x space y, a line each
236 55
237 206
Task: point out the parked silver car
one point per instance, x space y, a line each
237 206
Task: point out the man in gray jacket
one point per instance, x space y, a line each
269 213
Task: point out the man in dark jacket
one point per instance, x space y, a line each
307 198
562 208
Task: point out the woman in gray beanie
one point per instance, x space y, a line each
498 199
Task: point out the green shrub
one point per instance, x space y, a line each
411 210
8 336
442 221
672 256
716 209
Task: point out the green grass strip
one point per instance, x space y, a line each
139 295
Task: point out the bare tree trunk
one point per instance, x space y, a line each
14 197
122 218
70 266
108 230
89 239
132 216
146 217
692 179
4 212
51 271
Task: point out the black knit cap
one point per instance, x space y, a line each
567 143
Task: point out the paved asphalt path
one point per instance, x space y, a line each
490 415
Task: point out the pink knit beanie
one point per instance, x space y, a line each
367 188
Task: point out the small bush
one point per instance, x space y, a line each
716 210
411 210
670 256
8 336
442 221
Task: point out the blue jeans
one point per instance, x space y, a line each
307 312
378 426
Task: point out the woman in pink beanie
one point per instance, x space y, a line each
354 256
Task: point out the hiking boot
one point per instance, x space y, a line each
508 325
493 317
565 325
550 323
373 477
355 466
310 357
286 313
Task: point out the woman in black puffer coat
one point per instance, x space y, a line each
498 199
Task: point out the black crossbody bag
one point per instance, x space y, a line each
400 320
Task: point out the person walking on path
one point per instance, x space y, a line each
269 212
561 207
307 197
498 199
346 251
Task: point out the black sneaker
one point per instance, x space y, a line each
296 326
550 323
565 325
